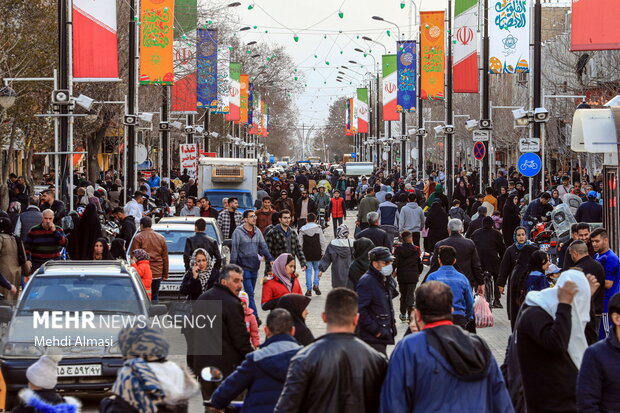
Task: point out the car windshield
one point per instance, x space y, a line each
81 293
244 198
175 240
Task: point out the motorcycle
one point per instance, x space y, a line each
158 209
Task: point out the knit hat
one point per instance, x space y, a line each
342 231
43 372
141 255
244 297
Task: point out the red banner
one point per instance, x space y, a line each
595 25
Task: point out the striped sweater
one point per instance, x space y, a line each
44 245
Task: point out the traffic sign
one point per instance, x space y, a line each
479 151
482 135
529 164
529 145
353 155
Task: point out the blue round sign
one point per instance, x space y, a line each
529 164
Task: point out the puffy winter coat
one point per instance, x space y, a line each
339 254
375 308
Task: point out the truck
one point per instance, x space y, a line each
358 168
220 178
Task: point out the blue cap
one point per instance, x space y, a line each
592 194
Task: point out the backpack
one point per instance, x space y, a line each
312 247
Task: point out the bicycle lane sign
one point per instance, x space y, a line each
529 164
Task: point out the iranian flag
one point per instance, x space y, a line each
465 70
390 88
362 110
95 50
234 113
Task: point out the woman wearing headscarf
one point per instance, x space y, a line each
511 218
338 254
536 278
101 250
439 195
148 382
92 199
297 305
460 192
12 256
82 239
361 262
551 342
437 224
198 278
555 198
282 281
501 198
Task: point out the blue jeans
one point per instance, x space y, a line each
310 267
155 291
249 283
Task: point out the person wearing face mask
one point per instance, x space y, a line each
377 325
305 205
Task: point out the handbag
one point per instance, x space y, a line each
424 233
392 287
482 313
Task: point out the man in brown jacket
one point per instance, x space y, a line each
155 245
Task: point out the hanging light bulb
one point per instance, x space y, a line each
327 63
251 6
389 33
340 14
402 4
295 37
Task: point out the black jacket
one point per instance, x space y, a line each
191 286
437 224
378 236
591 266
474 225
127 229
338 373
598 384
407 263
311 207
202 240
490 246
467 260
375 308
234 336
510 220
589 211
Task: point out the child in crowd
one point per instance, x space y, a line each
497 220
250 319
140 261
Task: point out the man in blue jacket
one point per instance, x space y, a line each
442 366
263 372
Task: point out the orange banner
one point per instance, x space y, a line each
245 89
156 31
432 58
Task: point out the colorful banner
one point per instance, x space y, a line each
348 119
594 25
265 121
362 110
95 50
206 62
390 88
509 36
261 119
184 89
465 70
432 65
234 97
223 80
406 77
243 108
256 116
250 103
189 158
156 28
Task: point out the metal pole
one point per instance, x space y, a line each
165 165
486 109
420 115
449 118
206 127
377 143
389 136
403 145
537 76
63 84
131 100
71 119
189 122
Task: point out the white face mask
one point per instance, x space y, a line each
387 270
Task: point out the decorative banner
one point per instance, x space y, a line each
465 70
243 108
255 114
261 124
250 103
432 64
348 127
509 36
265 122
156 28
595 25
390 90
206 61
362 110
184 89
95 50
223 80
407 79
234 97
189 158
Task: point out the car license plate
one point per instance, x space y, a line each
544 247
70 370
169 287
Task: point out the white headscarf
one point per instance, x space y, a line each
547 299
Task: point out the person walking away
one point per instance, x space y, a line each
313 244
438 194
263 215
609 260
247 246
250 319
155 246
190 209
378 236
550 342
297 306
148 382
229 218
490 198
44 242
263 372
436 224
377 325
359 265
598 383
40 395
282 281
350 374
140 261
338 255
88 230
368 203
462 296
30 217
12 258
338 209
388 218
442 356
305 206
537 268
476 223
579 254
456 212
491 249
590 211
407 267
411 218
510 219
282 239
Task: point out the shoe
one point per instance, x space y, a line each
259 322
309 293
316 290
497 304
403 318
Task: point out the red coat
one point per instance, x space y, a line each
146 275
337 208
274 288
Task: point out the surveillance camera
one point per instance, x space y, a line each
412 131
176 124
164 126
449 128
519 113
613 102
130 120
485 123
60 97
541 115
422 132
471 124
214 134
146 117
199 129
438 129
85 102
